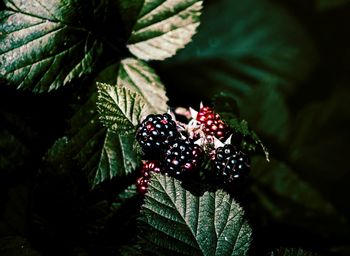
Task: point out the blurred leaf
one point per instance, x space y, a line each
16 246
103 212
291 200
254 51
129 11
318 144
242 135
291 252
164 27
262 44
178 222
120 109
328 4
137 76
46 44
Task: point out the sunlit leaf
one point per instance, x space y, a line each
121 110
46 44
139 77
164 27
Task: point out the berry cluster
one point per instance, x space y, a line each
145 174
230 163
177 149
212 123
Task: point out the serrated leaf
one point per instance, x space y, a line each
121 110
101 153
137 76
180 223
291 252
118 157
46 44
164 27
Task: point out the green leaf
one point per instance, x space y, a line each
226 105
129 11
318 144
100 152
137 76
178 222
163 27
121 110
253 50
46 44
291 252
118 157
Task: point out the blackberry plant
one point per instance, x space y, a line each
231 164
146 171
155 132
213 124
182 156
123 174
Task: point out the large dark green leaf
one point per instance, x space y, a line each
253 50
46 44
129 11
319 144
164 27
102 153
178 222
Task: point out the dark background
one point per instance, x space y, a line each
284 64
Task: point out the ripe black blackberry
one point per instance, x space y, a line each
154 132
145 174
213 125
230 164
182 156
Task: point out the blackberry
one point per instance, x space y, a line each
230 164
145 173
154 132
181 156
213 125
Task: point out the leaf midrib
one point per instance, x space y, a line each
177 210
50 20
